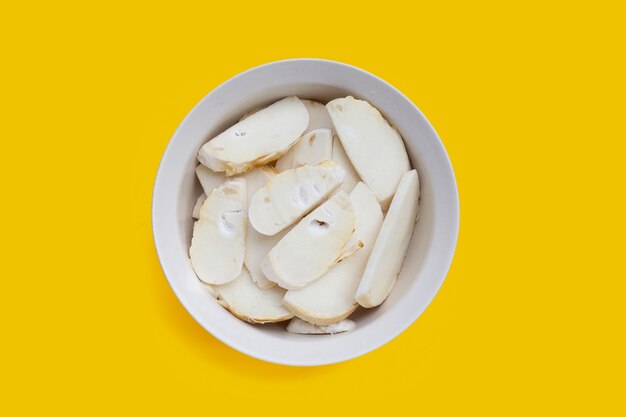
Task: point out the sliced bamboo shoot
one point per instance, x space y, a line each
299 326
218 242
208 179
311 149
247 301
196 208
391 244
340 158
374 147
313 246
318 116
292 194
258 139
258 245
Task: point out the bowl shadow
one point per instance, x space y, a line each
172 312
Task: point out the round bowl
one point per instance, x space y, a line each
430 252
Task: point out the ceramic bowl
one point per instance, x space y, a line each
430 252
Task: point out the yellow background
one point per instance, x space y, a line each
528 98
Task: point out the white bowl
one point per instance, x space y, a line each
430 252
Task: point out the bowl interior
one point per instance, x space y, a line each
429 253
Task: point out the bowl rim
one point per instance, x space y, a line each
343 357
